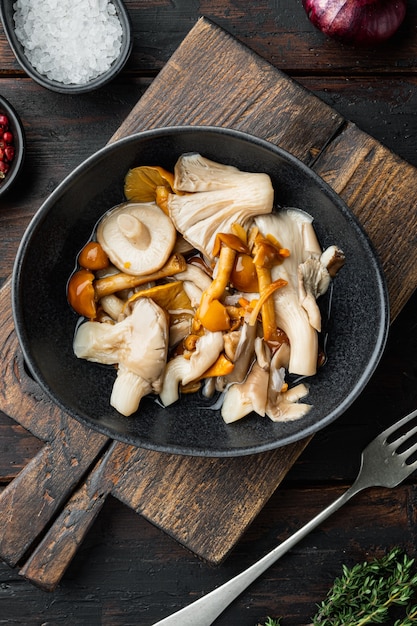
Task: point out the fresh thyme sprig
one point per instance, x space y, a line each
365 593
368 592
272 622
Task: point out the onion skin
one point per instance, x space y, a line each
364 22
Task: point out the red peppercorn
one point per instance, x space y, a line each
7 148
9 153
8 137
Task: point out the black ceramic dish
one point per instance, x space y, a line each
356 329
6 14
19 142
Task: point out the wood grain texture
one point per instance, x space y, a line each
299 122
380 188
129 573
46 484
235 88
17 448
377 185
49 560
29 502
279 32
180 497
385 106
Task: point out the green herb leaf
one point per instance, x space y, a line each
374 592
271 622
365 593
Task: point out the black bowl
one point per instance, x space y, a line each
19 142
356 328
6 14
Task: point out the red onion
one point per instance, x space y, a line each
356 21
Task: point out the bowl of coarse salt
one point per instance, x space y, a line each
68 46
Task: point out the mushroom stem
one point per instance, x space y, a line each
117 282
266 293
268 310
134 230
137 237
219 284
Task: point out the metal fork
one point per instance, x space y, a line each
385 462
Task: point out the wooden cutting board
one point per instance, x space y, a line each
48 508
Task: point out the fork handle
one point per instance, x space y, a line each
206 609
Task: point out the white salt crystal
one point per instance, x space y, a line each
70 41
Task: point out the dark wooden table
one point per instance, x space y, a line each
127 571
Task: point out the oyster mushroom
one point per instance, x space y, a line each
313 281
265 391
243 398
181 370
137 237
242 353
282 404
221 195
294 229
138 345
286 406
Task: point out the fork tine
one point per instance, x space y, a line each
402 439
409 468
398 425
405 454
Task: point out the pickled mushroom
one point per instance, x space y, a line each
264 390
234 318
294 228
221 196
85 290
181 370
138 345
137 237
243 398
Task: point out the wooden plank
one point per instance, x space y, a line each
383 106
51 557
236 87
280 32
185 493
129 573
292 108
29 502
17 448
380 188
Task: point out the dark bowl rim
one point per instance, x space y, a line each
58 87
20 152
383 302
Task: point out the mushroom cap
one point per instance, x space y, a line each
217 196
137 237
